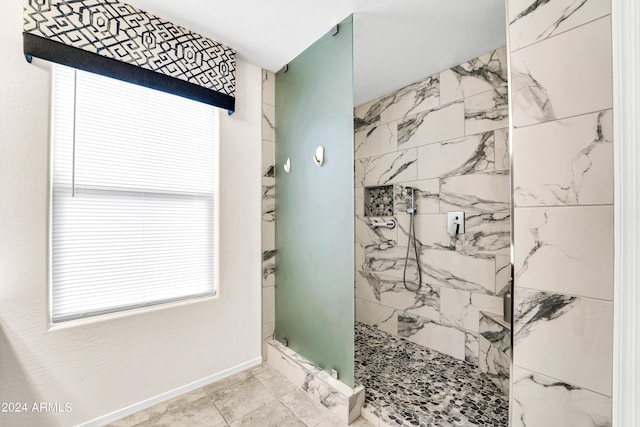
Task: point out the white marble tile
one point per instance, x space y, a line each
268 304
487 72
531 22
495 364
486 111
445 339
566 337
462 308
425 196
268 267
367 114
496 333
415 98
390 262
268 333
368 285
377 139
456 309
268 122
411 99
372 314
503 274
476 193
268 159
381 236
268 330
430 231
471 349
487 233
424 302
434 125
487 303
333 394
359 256
359 201
565 250
387 169
358 172
461 271
268 87
539 400
577 154
470 154
268 199
501 144
268 235
563 76
283 364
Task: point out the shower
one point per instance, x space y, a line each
411 210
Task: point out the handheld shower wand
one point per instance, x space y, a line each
412 235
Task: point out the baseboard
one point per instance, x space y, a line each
121 413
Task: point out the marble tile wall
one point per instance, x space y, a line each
561 86
268 208
446 137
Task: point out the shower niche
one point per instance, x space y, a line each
378 201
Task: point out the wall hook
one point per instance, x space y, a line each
287 165
319 156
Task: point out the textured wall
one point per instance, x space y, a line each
563 193
446 136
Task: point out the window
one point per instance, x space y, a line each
133 196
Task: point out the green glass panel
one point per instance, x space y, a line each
315 205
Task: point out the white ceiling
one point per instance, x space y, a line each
396 42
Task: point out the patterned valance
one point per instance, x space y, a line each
118 40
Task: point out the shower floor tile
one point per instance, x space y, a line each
409 385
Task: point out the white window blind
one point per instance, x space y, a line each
133 197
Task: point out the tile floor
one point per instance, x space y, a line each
259 397
409 385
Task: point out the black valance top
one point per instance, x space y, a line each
118 40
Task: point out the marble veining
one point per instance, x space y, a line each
542 19
539 307
388 168
542 93
584 159
496 331
268 264
531 96
443 122
478 193
488 233
401 103
470 154
268 202
486 111
407 384
425 196
486 72
539 400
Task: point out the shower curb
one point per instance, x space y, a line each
343 401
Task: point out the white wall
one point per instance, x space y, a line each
109 363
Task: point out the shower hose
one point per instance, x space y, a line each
412 236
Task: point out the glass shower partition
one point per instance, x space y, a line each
315 203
